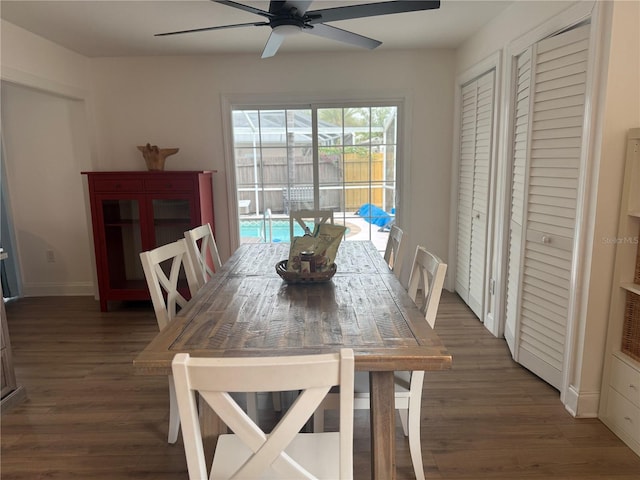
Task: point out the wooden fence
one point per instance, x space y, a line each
345 186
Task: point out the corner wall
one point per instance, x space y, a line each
46 136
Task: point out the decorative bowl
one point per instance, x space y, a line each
309 277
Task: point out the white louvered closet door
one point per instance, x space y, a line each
555 129
476 135
518 175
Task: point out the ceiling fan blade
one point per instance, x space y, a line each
333 33
206 29
273 44
246 8
369 10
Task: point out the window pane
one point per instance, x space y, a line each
299 126
331 197
330 165
272 131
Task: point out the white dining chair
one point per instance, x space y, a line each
203 250
393 249
306 217
426 281
164 268
250 452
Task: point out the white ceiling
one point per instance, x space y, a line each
125 28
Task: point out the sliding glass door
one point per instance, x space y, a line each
332 158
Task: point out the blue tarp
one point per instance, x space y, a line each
375 215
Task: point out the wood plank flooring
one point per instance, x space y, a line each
89 417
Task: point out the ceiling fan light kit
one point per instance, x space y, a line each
287 30
290 17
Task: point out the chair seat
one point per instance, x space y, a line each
362 393
361 383
317 452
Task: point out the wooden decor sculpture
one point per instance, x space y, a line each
155 157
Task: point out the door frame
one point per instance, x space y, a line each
403 168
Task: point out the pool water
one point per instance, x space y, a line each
255 229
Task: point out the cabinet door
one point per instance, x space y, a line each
171 217
123 239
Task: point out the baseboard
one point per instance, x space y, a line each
581 404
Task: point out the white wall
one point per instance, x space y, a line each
176 102
45 190
46 138
518 19
31 60
621 112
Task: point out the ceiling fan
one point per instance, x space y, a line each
291 17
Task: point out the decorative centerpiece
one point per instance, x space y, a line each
155 157
307 277
311 257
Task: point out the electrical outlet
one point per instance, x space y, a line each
51 258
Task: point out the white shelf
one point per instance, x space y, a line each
616 405
631 287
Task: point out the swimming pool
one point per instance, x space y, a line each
255 229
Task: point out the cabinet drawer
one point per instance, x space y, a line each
117 185
624 414
626 380
168 184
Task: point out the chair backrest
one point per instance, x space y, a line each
302 216
212 379
427 276
203 251
164 288
394 246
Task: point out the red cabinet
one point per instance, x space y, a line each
136 211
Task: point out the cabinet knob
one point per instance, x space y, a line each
546 239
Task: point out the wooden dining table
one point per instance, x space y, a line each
246 309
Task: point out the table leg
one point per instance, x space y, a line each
383 445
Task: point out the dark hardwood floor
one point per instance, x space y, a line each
89 417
